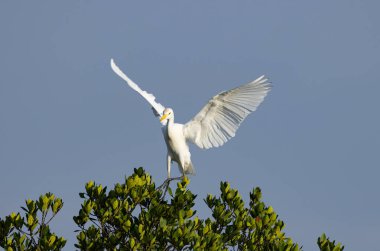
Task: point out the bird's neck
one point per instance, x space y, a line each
169 123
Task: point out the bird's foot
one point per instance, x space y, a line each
164 187
168 180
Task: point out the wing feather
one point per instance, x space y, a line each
220 118
157 108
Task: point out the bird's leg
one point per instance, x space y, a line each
169 161
166 183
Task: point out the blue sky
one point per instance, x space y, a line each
313 145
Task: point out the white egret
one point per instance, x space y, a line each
213 126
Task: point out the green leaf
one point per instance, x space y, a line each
30 220
99 189
89 185
52 240
132 242
170 191
162 222
45 203
140 229
115 204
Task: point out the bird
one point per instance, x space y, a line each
214 125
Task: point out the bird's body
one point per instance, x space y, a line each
213 126
178 149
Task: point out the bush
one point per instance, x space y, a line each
32 232
135 215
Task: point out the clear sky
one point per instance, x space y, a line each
313 146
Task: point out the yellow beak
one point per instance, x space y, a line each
163 117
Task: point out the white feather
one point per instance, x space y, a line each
219 119
157 107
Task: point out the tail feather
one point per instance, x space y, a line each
189 168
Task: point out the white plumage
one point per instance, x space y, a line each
213 126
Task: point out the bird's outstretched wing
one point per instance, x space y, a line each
157 108
219 119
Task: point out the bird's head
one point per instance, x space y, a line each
167 115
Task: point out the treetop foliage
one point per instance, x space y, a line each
136 215
32 231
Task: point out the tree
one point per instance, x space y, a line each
135 215
32 232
